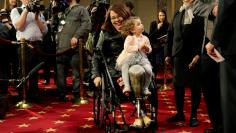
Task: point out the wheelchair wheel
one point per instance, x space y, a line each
154 103
96 106
100 104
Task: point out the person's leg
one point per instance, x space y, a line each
211 91
33 62
125 77
61 80
75 64
228 93
148 78
179 89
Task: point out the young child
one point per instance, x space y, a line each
136 47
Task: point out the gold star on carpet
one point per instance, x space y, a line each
203 115
23 125
70 110
172 112
1 121
86 126
120 122
65 115
33 118
170 107
164 96
119 116
51 130
19 109
54 103
8 115
89 119
48 107
166 99
124 106
207 121
185 132
162 93
187 97
168 103
91 113
188 101
41 112
58 122
181 124
75 105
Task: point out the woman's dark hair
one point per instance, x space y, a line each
129 4
163 11
121 11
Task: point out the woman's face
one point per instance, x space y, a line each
161 16
116 20
12 2
187 2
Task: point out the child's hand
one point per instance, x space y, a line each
144 47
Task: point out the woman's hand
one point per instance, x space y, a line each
97 81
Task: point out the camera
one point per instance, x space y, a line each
4 16
34 6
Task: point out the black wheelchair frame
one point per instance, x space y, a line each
106 102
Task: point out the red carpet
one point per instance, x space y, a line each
56 117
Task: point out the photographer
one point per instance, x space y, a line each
52 16
31 26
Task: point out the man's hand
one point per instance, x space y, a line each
210 49
73 42
194 62
215 10
97 81
167 60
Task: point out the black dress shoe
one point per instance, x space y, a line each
176 118
210 130
193 122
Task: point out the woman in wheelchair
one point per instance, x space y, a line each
109 46
136 47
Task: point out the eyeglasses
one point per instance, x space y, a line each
113 18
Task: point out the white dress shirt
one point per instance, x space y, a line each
31 31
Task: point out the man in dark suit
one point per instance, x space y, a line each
224 39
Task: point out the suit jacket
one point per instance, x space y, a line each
224 35
185 40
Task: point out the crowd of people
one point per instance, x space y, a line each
117 35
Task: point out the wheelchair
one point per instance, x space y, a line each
106 105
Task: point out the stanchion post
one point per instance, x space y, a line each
23 103
83 99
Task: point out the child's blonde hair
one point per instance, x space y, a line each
128 25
